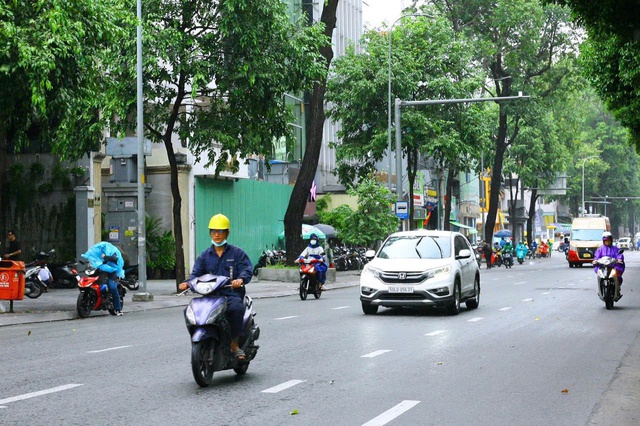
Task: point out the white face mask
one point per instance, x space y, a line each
313 242
219 244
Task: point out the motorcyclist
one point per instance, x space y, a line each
544 249
521 250
497 252
107 258
315 251
230 261
508 249
608 249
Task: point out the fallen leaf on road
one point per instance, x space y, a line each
294 412
565 390
29 333
439 363
537 318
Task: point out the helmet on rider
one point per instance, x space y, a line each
606 236
220 222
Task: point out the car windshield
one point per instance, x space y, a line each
624 240
416 247
586 234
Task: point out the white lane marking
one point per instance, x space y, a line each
495 279
475 319
283 386
520 282
284 318
527 300
435 333
39 393
546 292
392 413
506 308
341 307
376 353
108 349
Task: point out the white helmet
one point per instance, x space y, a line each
606 234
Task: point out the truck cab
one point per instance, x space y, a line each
586 237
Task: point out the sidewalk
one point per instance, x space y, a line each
60 304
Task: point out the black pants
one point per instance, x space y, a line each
235 312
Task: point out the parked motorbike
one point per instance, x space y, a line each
94 292
38 278
607 279
208 327
130 279
64 274
308 279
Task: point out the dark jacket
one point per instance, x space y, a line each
234 263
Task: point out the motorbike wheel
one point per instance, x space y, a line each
304 288
84 304
201 363
241 369
36 291
609 295
317 293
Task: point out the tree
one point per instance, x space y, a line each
215 75
372 220
52 79
429 61
300 193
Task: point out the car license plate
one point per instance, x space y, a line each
586 255
400 289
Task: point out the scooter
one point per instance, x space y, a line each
521 253
65 274
209 329
38 278
95 295
308 279
607 279
507 259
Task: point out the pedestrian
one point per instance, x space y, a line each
487 251
14 252
230 261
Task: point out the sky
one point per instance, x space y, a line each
374 12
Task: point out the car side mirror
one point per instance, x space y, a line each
370 254
464 254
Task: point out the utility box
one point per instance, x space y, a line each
121 223
11 280
124 169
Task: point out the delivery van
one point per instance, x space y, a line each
586 237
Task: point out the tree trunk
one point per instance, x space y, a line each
496 174
532 216
447 205
297 201
3 174
177 216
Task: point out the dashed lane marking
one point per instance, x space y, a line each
108 349
392 413
527 300
376 353
283 386
39 393
520 282
546 292
284 318
506 308
435 333
475 319
340 307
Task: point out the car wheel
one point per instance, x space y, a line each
454 308
473 303
369 309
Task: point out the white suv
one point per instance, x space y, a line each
625 243
421 268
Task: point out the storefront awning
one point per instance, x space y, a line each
459 225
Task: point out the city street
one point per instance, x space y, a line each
540 350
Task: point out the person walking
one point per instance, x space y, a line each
14 252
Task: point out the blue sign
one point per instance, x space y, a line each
402 209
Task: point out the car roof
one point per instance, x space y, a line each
425 233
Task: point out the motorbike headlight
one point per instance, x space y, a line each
215 313
189 316
371 271
602 273
204 287
613 273
439 271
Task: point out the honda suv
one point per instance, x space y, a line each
421 268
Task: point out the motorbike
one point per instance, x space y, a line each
308 279
521 253
95 295
64 274
209 329
38 278
607 279
507 259
497 261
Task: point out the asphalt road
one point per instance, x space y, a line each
540 350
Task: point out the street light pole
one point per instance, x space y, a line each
583 163
389 88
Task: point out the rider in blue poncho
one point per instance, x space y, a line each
107 258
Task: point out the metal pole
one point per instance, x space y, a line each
583 211
398 152
389 88
142 253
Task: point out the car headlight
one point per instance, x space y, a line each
572 248
371 271
438 271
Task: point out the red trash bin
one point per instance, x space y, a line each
11 280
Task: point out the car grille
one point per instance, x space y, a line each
582 251
402 277
402 296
